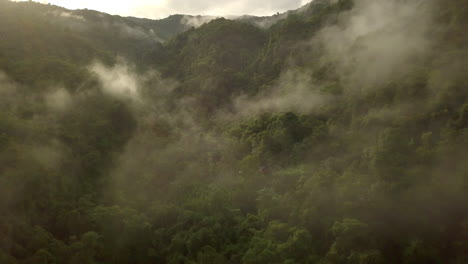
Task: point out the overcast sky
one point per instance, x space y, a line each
164 8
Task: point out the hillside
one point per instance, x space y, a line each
336 133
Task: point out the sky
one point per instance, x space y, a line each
162 8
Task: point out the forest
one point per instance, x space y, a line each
336 133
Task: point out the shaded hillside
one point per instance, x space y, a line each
337 134
50 37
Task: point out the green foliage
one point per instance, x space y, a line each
376 174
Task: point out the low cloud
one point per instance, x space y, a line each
6 85
137 33
119 81
8 93
59 99
376 40
165 8
294 91
267 22
48 156
66 15
71 15
196 21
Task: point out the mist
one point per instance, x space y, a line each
196 21
334 133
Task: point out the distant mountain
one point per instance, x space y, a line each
52 37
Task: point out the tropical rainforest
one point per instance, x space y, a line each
335 133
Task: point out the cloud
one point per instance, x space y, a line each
136 32
6 86
371 45
8 93
59 99
119 81
164 8
66 15
294 91
197 21
376 40
70 15
48 156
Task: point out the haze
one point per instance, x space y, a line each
162 8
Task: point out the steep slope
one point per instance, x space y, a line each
337 134
51 37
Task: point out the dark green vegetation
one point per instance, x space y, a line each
337 135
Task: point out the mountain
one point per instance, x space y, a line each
335 133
